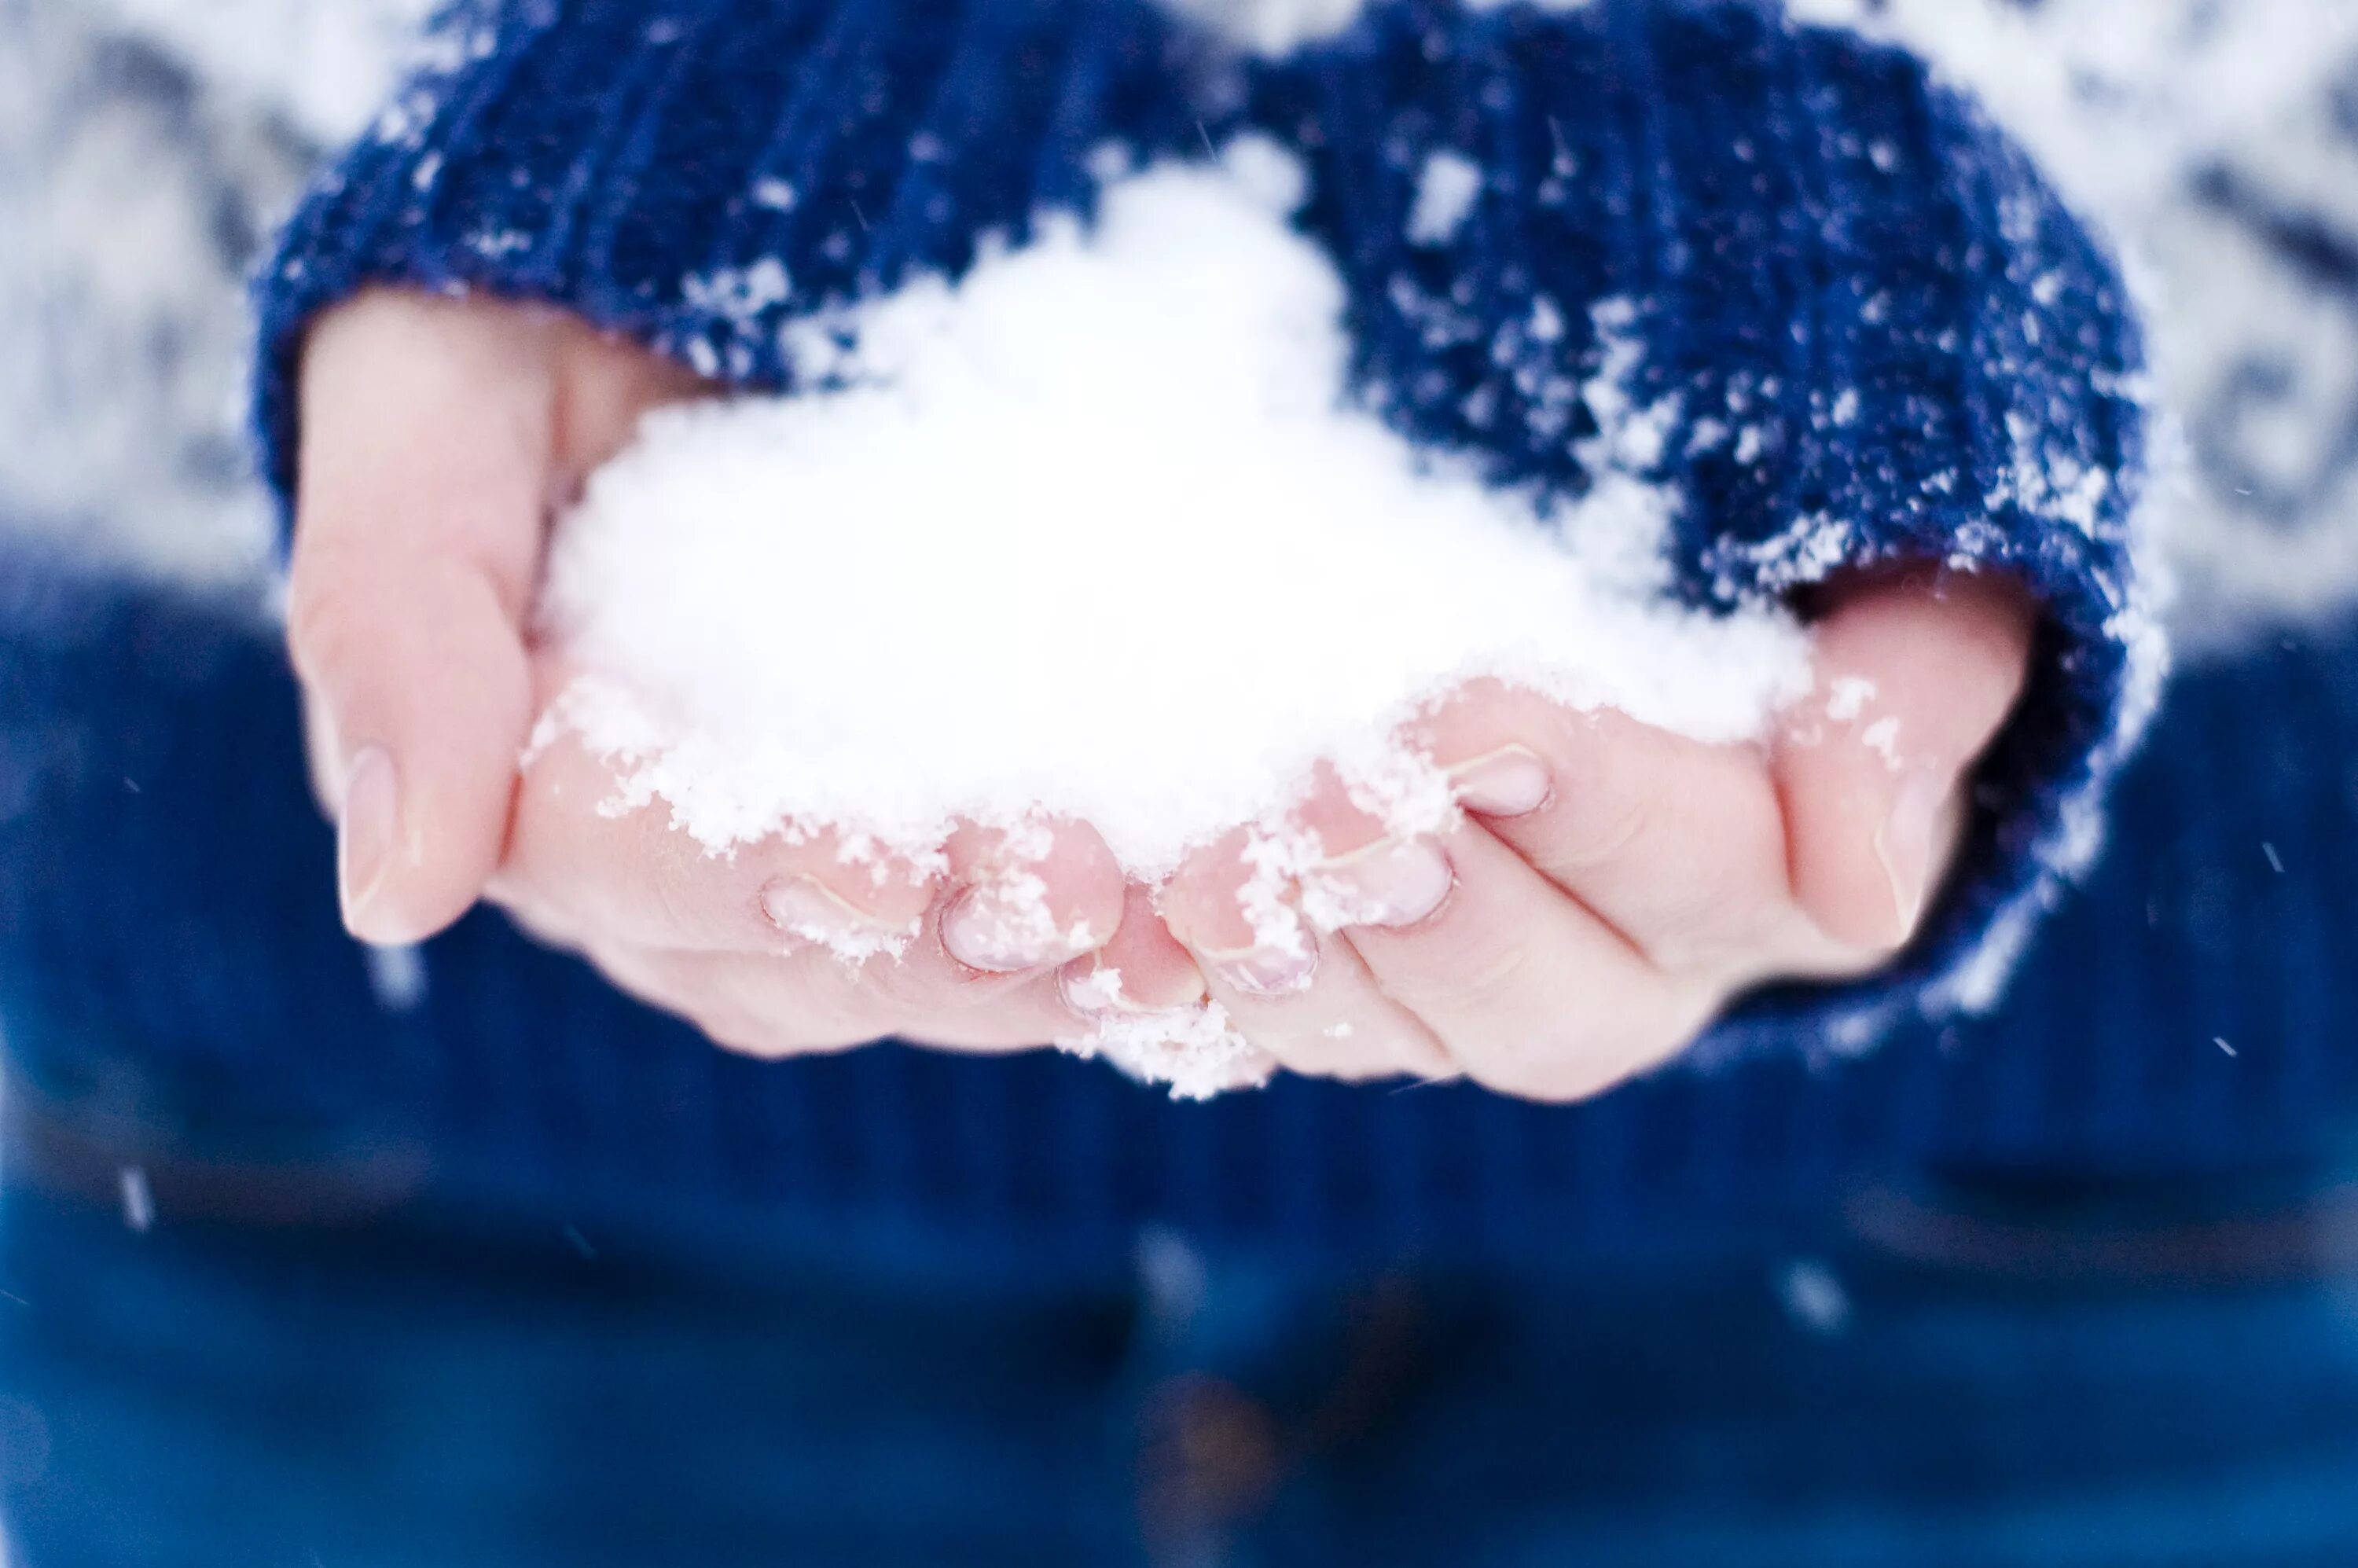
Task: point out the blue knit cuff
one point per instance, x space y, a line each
696 172
1859 328
1862 326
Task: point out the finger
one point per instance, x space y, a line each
1303 997
1526 990
1677 845
1144 970
1914 678
892 941
1529 991
604 386
809 1000
1018 906
774 1007
578 855
1033 897
1141 1003
437 438
420 506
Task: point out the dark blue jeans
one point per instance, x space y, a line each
2048 1379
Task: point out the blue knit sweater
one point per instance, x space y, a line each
1821 247
1927 357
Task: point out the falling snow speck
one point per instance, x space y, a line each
1446 190
397 977
138 1202
1814 1297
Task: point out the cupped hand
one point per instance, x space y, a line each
1610 887
440 440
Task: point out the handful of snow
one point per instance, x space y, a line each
1097 532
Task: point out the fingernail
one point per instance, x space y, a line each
1511 781
368 836
1904 844
1003 926
1268 971
809 910
1392 883
1098 992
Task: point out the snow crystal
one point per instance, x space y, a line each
396 977
1849 697
1277 27
1882 737
1807 550
1445 193
1271 27
1195 1050
1814 1297
1097 534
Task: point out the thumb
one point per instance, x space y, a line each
1915 677
420 514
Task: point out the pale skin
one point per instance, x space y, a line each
1608 890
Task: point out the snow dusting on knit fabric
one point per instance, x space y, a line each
1275 27
1095 534
2218 143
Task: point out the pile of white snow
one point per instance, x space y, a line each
1097 533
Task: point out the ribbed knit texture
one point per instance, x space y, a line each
1884 339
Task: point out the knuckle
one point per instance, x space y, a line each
1580 1059
328 616
1605 827
1451 980
1721 930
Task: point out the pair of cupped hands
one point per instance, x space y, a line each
1608 889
